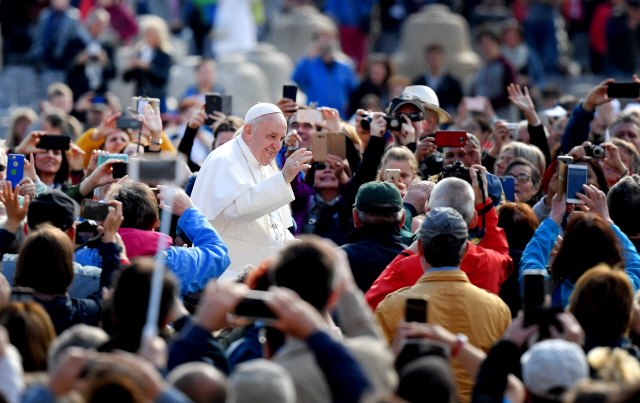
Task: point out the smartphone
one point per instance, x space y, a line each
212 103
323 143
623 90
309 116
563 163
545 317
103 158
253 306
416 310
15 169
54 142
152 171
22 294
576 178
512 128
128 123
474 104
93 210
119 170
532 294
139 102
392 174
290 91
446 138
508 187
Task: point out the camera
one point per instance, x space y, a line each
393 122
457 170
594 151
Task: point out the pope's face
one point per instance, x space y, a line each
266 140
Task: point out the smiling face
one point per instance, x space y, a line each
49 162
116 141
629 132
524 187
305 130
325 178
265 137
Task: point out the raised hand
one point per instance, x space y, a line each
597 96
15 212
296 163
596 201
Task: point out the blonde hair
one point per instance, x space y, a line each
18 114
157 24
614 365
401 154
527 152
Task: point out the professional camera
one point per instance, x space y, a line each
394 122
594 151
457 170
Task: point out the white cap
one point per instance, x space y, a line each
552 364
261 109
429 100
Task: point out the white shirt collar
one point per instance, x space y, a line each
247 152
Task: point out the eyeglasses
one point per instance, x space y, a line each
522 178
321 166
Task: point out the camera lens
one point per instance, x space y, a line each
366 123
598 152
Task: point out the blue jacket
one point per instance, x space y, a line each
537 252
577 130
193 267
328 86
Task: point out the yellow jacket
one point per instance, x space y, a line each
458 306
88 144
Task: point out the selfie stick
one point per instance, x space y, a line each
150 329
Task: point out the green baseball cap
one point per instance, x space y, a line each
371 194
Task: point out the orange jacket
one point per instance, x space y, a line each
487 264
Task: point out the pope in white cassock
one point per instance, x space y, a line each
244 196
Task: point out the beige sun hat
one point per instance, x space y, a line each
429 100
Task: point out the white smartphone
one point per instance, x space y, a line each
576 178
392 174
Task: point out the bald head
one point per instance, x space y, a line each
201 382
264 135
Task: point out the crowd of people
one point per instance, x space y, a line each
332 251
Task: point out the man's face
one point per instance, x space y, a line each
469 154
265 142
207 73
489 48
305 130
407 108
628 132
435 60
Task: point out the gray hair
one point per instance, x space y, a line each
80 335
99 14
368 218
262 381
455 193
528 152
200 381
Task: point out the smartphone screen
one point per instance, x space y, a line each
152 171
119 170
508 187
532 295
309 116
54 142
576 178
623 90
15 169
140 104
290 92
128 123
93 210
212 103
416 310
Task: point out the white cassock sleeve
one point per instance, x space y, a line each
259 200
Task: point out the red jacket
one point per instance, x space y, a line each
487 264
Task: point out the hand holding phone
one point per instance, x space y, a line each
576 179
213 103
290 91
253 306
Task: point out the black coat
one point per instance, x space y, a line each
370 249
76 77
153 82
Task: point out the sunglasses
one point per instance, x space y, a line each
321 166
414 117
